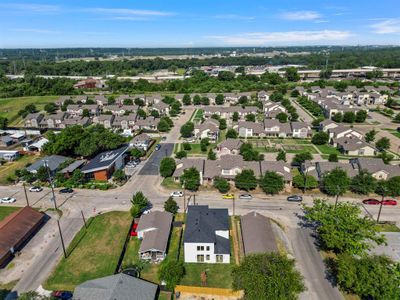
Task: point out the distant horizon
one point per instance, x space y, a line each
27 24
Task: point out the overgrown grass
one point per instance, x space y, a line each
326 149
93 253
9 107
8 169
7 210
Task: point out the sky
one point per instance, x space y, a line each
197 23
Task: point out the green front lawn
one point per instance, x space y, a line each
326 149
300 148
170 183
7 210
93 253
9 107
388 228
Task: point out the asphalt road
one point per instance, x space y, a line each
152 165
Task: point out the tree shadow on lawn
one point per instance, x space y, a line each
73 244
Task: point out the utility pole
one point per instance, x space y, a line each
61 237
51 185
84 220
26 195
380 208
337 196
233 205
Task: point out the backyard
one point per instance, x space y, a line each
11 106
93 253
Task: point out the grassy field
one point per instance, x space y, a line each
7 170
11 106
93 253
300 149
196 149
197 116
170 183
388 228
218 275
325 149
6 210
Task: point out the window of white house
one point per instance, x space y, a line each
219 258
200 258
207 257
200 248
208 248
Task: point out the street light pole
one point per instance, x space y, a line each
61 237
380 209
51 185
337 196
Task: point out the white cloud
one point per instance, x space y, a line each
127 12
36 30
234 17
387 26
289 37
301 15
30 7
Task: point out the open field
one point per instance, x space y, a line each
6 210
9 107
93 253
325 149
7 170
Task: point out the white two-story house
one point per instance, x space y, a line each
206 238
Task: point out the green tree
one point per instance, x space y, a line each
219 99
186 100
250 118
167 167
222 124
281 155
211 155
361 116
50 108
187 146
300 180
139 102
139 204
250 154
333 157
171 271
282 117
33 295
196 100
335 182
393 184
231 133
171 206
246 180
370 136
78 178
383 144
235 116
299 158
205 101
204 143
221 184
396 119
3 123
272 183
363 183
386 157
341 229
320 138
349 117
190 179
291 74
119 175
137 153
369 277
154 113
141 113
268 276
338 117
42 174
181 154
325 74
163 126
187 129
226 76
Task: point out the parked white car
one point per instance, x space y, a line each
36 189
177 194
7 200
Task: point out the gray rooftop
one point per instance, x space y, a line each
52 161
116 287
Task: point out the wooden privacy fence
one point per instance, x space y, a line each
208 291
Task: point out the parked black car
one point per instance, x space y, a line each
66 191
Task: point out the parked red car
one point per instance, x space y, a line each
389 202
372 201
133 230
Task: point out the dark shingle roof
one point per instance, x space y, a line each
202 223
104 160
53 162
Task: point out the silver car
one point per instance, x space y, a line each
246 197
7 200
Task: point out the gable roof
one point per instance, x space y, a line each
202 223
104 160
231 144
159 224
53 161
116 287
